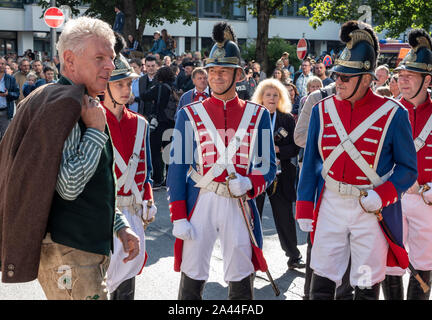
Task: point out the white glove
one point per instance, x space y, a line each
153 124
372 202
151 211
240 185
305 225
183 230
428 194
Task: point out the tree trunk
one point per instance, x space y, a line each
129 10
263 20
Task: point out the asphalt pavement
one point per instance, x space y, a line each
159 281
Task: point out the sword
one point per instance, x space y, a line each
382 223
423 189
147 221
251 234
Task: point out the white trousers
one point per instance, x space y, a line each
418 240
216 216
118 271
343 230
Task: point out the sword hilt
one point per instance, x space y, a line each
420 280
423 189
232 176
147 221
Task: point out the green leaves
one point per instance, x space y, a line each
393 16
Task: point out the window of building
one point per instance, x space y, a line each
11 4
212 8
8 42
238 12
188 44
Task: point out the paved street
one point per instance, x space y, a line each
160 282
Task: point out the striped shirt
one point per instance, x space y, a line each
79 162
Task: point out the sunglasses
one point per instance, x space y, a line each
343 77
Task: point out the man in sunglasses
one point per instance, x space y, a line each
359 159
415 74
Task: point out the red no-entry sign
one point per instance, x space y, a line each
301 49
54 17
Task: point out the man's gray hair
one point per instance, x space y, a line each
77 31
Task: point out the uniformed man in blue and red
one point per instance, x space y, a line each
214 138
414 74
131 144
359 159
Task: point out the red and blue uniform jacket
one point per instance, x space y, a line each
261 170
123 135
418 118
397 154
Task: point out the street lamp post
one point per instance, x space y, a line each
197 25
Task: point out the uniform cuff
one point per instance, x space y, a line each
387 193
178 210
148 191
259 184
304 209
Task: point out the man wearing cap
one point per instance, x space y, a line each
287 65
159 44
359 159
130 136
414 74
219 137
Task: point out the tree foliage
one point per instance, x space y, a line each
392 16
276 46
148 12
263 11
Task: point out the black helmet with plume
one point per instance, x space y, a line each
419 58
362 49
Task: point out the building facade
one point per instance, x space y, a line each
22 28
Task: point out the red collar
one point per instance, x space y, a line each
409 105
229 103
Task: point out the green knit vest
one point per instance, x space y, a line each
87 222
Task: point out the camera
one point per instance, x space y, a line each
280 134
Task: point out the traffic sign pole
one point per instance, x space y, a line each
54 18
53 36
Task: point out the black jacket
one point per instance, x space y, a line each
145 107
158 107
287 150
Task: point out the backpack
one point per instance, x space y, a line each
171 107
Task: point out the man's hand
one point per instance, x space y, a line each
415 188
183 229
371 202
240 185
427 195
130 241
92 114
305 225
